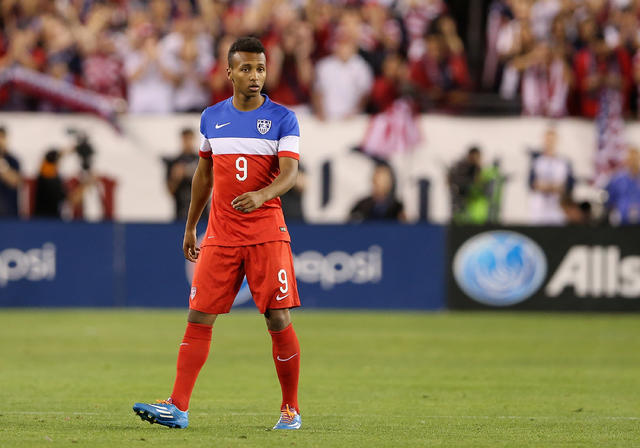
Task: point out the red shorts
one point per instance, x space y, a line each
220 270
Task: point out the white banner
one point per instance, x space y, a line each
134 158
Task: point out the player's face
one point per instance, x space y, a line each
247 73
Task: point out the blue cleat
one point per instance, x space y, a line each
163 413
289 419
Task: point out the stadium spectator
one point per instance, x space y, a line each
550 180
380 35
320 17
623 202
343 81
160 16
417 18
10 179
189 51
441 73
392 83
190 94
150 79
545 81
219 84
103 67
180 172
290 67
382 204
602 70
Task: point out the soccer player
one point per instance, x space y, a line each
249 156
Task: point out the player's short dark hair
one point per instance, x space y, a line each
3 130
186 131
247 44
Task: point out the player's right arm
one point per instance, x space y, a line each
200 193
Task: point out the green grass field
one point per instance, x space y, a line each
69 378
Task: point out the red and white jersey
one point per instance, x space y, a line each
245 147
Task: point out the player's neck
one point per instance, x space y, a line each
247 103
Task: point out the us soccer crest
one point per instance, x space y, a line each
264 126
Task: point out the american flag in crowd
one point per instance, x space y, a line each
396 130
611 139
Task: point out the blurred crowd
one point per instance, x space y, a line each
338 57
565 57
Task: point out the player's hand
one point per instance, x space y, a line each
189 246
248 202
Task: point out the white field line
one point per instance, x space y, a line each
423 417
48 413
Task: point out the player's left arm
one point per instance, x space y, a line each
253 200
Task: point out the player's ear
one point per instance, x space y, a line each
229 74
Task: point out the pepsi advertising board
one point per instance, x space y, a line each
537 268
358 267
56 264
51 263
370 266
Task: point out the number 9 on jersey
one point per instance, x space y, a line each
241 166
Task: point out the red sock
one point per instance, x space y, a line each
286 355
191 357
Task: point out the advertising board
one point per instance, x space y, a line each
55 264
534 268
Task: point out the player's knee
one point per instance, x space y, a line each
198 317
277 319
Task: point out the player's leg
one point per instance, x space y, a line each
216 281
193 353
286 357
272 281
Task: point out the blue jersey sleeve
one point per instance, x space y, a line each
289 125
205 146
289 139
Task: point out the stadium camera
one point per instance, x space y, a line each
83 148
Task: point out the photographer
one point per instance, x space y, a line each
51 193
56 198
476 190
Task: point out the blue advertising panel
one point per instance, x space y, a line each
370 266
48 263
156 273
366 266
141 265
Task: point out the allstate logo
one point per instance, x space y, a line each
500 268
244 295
